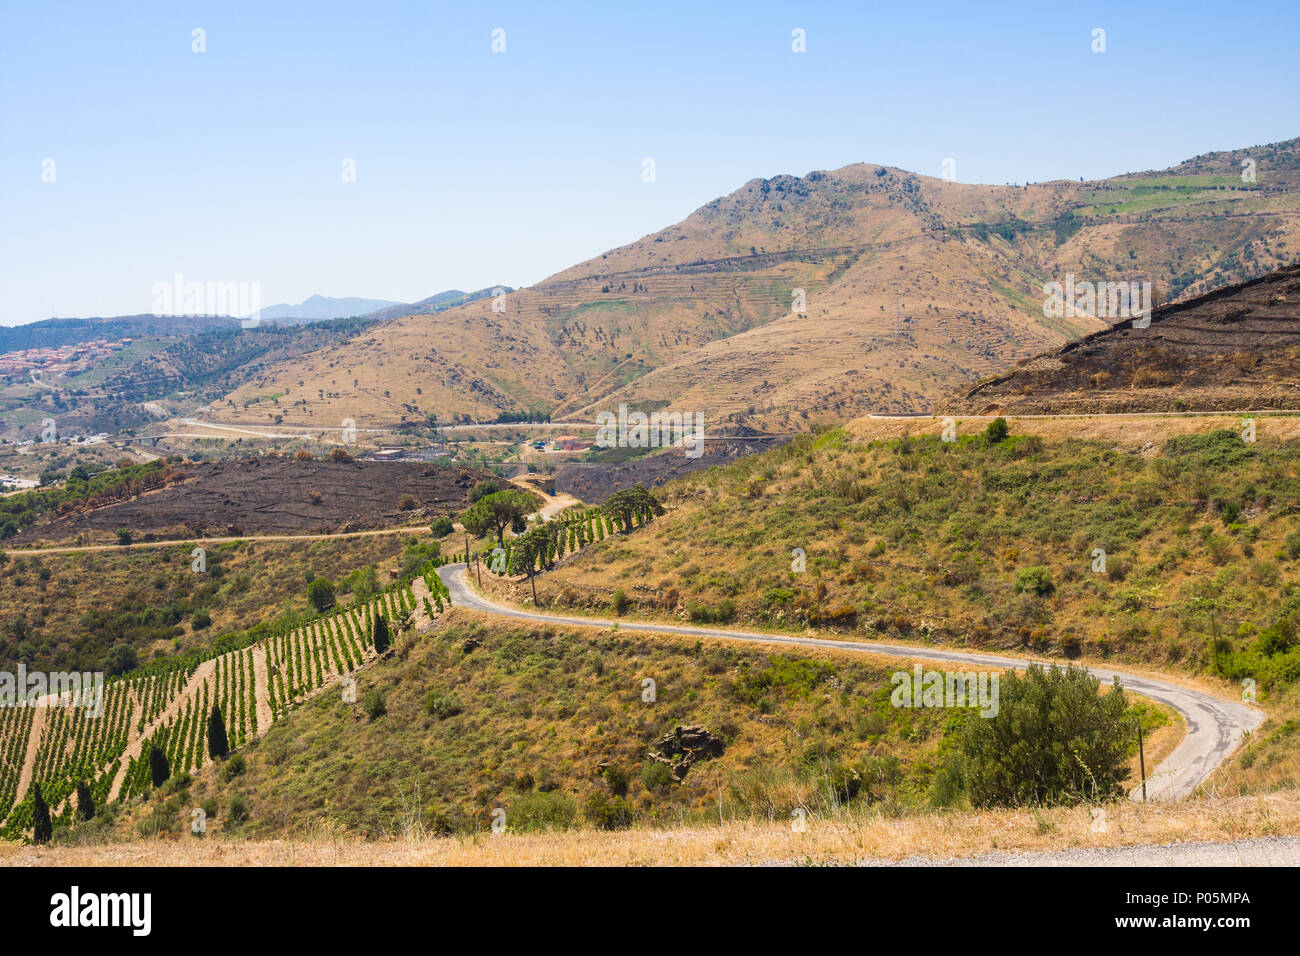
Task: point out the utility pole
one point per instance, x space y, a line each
1142 762
478 572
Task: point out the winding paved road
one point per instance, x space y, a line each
1215 727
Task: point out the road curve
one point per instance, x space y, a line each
1215 727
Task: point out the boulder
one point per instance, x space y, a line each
683 747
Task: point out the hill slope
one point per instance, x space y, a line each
912 284
1234 348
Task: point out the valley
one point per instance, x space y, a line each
909 461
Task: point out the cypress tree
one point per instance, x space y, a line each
159 770
381 634
218 744
85 802
42 829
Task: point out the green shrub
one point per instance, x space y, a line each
1055 739
616 780
442 706
609 812
540 811
237 808
375 703
1035 580
702 613
1219 548
1291 546
656 777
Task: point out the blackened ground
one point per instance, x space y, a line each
270 495
593 483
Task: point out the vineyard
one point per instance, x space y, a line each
254 680
544 543
166 705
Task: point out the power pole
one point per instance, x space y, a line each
478 572
1142 762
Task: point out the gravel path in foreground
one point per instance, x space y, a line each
1257 851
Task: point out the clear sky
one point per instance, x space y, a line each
475 168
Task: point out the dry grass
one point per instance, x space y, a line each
895 318
249 581
849 840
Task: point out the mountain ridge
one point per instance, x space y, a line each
912 285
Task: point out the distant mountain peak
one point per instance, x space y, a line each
324 307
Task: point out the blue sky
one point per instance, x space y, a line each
475 168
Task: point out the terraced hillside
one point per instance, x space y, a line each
1231 349
56 742
912 285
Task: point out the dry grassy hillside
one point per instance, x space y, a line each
913 285
980 544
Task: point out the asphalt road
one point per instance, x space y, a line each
1215 726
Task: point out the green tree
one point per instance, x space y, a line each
996 432
380 636
218 744
42 828
484 488
159 770
497 511
1054 739
119 659
85 802
632 505
362 583
321 594
530 551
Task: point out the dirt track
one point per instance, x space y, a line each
173 542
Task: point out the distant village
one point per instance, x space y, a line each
64 360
